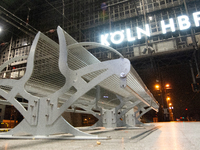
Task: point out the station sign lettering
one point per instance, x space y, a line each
118 37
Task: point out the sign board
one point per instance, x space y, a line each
118 37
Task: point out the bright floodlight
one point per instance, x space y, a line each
0 29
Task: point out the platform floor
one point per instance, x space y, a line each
155 136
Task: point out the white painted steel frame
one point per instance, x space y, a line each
43 117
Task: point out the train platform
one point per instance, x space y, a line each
153 136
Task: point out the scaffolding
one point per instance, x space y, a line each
86 21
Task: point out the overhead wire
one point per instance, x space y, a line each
22 24
63 16
16 26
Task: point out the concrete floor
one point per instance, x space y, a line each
161 136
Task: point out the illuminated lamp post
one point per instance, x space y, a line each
171 116
168 100
163 91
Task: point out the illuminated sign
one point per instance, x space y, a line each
118 37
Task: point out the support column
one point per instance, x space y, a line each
98 95
137 114
99 123
130 118
109 118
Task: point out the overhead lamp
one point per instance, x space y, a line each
150 18
0 29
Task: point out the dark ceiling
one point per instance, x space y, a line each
21 16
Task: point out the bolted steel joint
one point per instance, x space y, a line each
122 75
